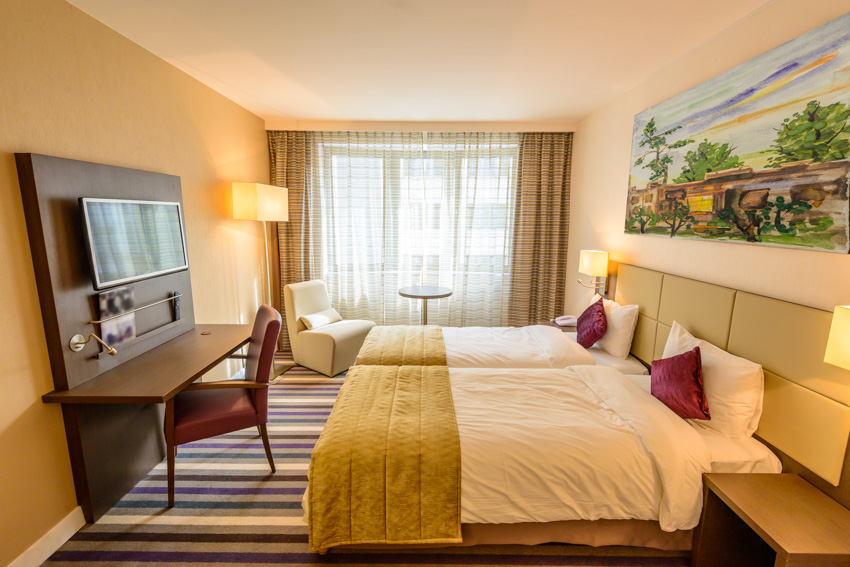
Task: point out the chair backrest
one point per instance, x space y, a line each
304 298
261 348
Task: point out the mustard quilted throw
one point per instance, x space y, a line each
386 468
399 345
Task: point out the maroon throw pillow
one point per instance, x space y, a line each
677 381
591 325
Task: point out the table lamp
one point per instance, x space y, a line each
594 263
838 344
255 201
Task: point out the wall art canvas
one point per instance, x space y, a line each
758 154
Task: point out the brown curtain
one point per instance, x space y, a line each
289 154
541 228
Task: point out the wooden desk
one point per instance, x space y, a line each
769 519
114 420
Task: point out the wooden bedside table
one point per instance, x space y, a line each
769 519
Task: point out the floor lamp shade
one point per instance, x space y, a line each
255 201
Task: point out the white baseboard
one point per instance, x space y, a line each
38 552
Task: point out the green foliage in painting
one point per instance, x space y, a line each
706 158
643 217
677 218
655 156
819 133
819 224
780 208
750 224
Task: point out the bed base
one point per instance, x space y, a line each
596 533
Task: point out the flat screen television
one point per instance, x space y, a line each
132 240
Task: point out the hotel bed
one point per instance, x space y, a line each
535 346
586 455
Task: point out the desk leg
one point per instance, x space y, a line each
424 311
170 448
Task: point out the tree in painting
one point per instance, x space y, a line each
780 207
706 158
819 133
642 217
657 151
678 217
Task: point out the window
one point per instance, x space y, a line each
390 210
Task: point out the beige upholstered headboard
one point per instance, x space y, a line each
806 416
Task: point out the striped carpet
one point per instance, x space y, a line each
230 510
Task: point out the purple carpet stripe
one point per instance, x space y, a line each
201 445
238 557
213 491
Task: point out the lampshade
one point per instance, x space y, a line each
838 345
593 263
255 201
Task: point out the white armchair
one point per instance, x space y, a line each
328 349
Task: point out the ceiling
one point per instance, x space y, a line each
419 60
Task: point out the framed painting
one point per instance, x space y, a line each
758 154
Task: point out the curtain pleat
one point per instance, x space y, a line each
541 228
289 154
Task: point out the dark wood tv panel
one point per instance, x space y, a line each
111 405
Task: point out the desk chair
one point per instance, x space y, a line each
328 349
207 409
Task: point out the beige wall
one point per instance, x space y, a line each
602 154
73 88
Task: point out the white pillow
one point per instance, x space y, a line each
621 321
734 386
321 318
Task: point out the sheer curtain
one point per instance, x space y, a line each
393 209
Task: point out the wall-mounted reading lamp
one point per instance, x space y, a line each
594 263
79 341
255 201
838 344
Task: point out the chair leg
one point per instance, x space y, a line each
265 435
170 448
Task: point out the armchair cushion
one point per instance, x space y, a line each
207 413
320 319
332 348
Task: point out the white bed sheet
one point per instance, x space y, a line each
536 346
580 443
743 455
630 365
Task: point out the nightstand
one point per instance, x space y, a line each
749 520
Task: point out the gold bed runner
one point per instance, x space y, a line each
398 345
386 468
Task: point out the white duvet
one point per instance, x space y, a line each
579 443
537 346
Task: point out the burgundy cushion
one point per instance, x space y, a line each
677 381
591 325
207 413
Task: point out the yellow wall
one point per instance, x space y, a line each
73 88
602 155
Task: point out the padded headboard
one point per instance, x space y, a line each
806 417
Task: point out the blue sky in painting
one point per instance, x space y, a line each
744 105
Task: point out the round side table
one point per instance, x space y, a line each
425 292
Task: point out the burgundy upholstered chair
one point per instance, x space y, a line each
207 409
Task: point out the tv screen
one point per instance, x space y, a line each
133 240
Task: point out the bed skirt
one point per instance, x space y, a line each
596 533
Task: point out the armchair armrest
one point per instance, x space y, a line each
222 384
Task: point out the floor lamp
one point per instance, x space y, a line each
258 202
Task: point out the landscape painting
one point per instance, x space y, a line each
758 154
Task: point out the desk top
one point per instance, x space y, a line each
159 374
425 292
786 512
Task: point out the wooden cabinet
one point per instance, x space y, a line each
769 519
